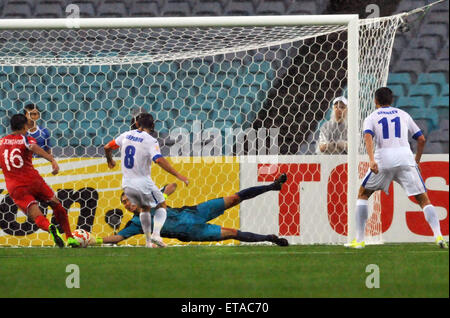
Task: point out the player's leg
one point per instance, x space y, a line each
249 193
159 218
142 202
35 214
362 212
45 194
27 202
371 183
411 181
61 216
212 209
228 233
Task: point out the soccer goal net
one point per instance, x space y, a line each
236 101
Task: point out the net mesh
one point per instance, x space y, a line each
220 96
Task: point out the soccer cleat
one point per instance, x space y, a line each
157 240
278 183
441 242
355 244
72 242
278 240
57 237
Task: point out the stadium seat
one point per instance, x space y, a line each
413 67
413 54
207 8
438 66
17 10
112 9
440 104
409 5
267 7
436 15
176 8
398 90
87 9
440 29
430 42
435 148
444 91
144 9
239 8
301 8
443 124
399 78
432 78
428 117
427 90
48 11
409 103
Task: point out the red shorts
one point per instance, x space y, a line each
36 190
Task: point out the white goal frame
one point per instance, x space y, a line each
350 20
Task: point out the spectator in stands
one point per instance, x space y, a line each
41 134
333 134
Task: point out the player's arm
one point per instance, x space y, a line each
368 140
418 136
44 154
170 188
163 163
109 148
111 239
420 147
47 142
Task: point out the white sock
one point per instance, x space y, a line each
362 213
432 219
146 222
158 221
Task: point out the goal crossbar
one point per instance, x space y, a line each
178 22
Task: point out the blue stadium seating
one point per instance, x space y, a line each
409 103
440 105
426 90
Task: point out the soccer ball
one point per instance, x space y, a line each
82 236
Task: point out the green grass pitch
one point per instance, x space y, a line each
405 270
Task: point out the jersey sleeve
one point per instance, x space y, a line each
413 129
154 150
28 141
368 126
119 140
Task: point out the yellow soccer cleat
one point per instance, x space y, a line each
441 242
355 244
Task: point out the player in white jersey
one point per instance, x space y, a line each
138 149
391 159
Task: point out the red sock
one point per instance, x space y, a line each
62 219
42 222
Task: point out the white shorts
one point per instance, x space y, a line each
407 176
141 199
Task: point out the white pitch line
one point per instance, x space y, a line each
334 253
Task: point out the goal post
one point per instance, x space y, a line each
268 80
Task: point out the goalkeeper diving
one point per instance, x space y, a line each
189 223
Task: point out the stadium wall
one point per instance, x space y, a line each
311 208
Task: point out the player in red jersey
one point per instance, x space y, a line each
24 183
